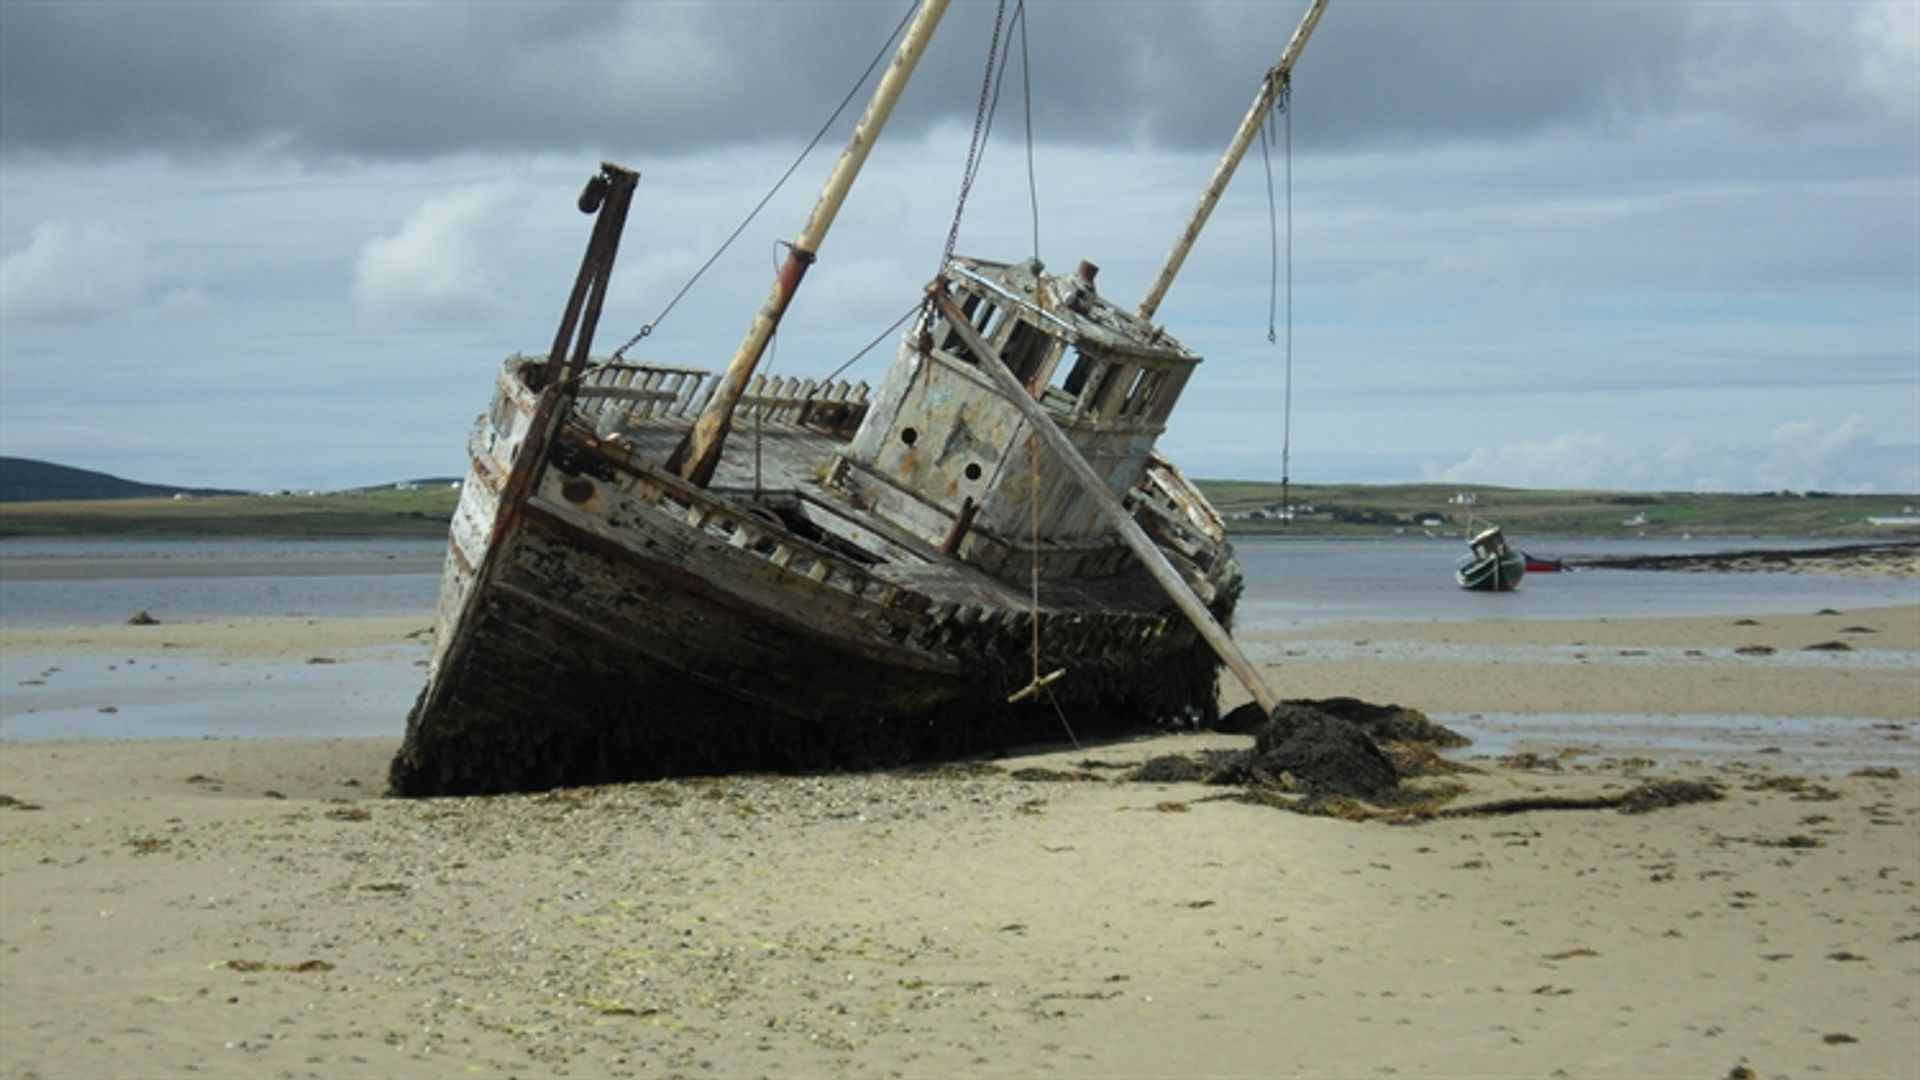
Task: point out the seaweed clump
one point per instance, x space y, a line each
1309 750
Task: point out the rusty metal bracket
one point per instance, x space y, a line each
608 194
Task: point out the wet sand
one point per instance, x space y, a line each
252 907
1849 664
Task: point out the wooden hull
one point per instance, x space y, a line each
1497 572
600 620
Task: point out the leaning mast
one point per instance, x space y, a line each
1263 102
699 456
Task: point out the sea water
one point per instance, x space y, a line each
87 582
1290 583
1294 583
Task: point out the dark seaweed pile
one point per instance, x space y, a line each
1331 748
1314 752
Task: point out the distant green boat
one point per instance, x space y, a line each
1492 566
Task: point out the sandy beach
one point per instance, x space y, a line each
253 907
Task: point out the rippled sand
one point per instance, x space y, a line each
251 907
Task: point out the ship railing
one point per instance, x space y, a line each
640 392
835 406
629 395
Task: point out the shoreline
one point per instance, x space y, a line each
1862 665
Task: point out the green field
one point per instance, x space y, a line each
1337 510
422 513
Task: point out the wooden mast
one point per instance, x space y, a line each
1263 102
699 455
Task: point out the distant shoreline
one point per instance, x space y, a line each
391 514
1249 509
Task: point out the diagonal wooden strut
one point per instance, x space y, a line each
1109 506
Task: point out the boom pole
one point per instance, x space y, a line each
1263 102
699 455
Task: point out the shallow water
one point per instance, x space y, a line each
94 697
1290 584
1822 744
1293 583
86 582
1637 656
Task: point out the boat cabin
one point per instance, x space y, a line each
1488 542
944 456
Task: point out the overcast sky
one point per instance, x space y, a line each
1594 243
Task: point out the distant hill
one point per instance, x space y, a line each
27 480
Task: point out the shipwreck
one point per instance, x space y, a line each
657 570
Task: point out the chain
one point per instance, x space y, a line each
981 115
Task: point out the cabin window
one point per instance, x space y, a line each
1083 366
1146 386
1025 350
1096 400
985 318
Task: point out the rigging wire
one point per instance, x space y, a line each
1026 91
982 129
1283 106
852 91
1286 439
1273 234
869 346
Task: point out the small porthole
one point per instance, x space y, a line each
909 436
973 472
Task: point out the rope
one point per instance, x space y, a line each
1283 105
1062 714
1286 427
885 48
1273 233
1040 682
1033 519
1026 91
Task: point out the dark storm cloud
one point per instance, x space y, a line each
425 79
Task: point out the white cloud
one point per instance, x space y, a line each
1573 460
1888 38
1800 455
439 265
72 273
1803 457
